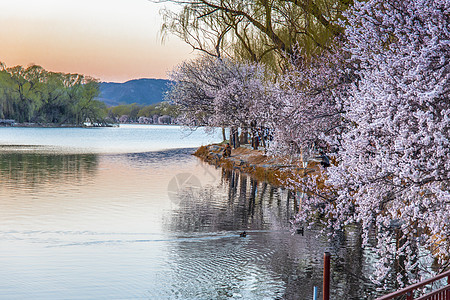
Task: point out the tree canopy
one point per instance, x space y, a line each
259 31
35 95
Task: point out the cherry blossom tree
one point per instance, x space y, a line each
221 93
193 88
393 165
310 103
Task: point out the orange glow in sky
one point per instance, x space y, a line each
112 40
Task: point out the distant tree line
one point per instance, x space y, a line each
35 95
163 112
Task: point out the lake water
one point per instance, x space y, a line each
123 139
129 213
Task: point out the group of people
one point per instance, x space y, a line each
325 160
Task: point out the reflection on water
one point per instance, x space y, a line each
236 203
30 169
123 139
271 262
105 227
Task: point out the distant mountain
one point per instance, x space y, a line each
141 91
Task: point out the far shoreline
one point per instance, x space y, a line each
53 125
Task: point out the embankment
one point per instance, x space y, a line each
274 170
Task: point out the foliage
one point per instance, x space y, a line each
219 92
35 95
130 110
259 31
310 107
393 163
134 111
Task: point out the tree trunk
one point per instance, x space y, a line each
244 136
236 138
232 142
223 134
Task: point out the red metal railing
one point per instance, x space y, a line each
440 294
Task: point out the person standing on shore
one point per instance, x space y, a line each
227 150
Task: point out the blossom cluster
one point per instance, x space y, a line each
392 174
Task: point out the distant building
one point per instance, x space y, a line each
145 120
155 119
165 119
123 119
7 122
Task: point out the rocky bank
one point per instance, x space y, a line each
275 170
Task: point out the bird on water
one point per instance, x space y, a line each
243 234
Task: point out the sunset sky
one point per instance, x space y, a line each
112 40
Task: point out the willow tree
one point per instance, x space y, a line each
260 31
87 107
6 105
26 84
33 94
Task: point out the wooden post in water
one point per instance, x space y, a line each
326 276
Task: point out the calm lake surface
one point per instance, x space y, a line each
129 213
